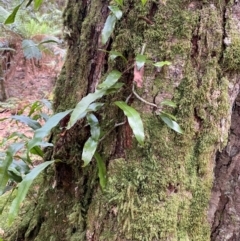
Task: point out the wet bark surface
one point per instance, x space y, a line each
224 210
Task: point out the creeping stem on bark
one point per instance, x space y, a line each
141 99
116 125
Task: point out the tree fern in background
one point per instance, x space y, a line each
33 28
28 22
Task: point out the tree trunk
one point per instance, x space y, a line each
2 86
161 190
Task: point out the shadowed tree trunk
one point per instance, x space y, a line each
161 190
2 87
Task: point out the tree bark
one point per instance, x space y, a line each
161 190
2 87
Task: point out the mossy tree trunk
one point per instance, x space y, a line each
161 190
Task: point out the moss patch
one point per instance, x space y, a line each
232 55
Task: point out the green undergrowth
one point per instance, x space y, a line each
5 199
25 213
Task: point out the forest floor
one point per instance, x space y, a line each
26 84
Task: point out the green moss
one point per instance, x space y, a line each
146 206
232 55
75 71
